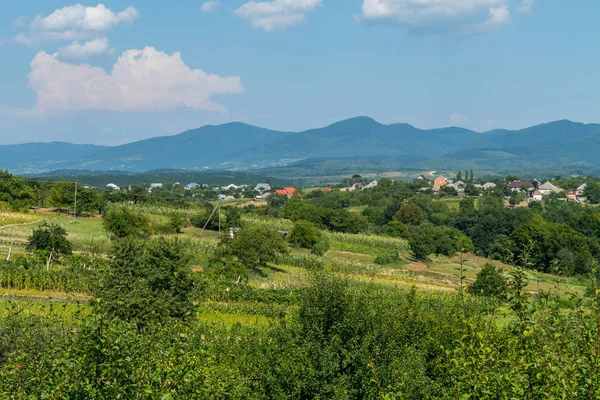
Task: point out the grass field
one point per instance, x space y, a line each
350 257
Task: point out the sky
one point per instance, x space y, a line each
125 70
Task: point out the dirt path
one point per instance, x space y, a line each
432 173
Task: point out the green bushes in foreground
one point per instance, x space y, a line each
339 342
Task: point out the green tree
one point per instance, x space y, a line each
255 246
592 192
459 176
489 282
304 234
466 206
396 229
321 247
50 237
411 214
122 222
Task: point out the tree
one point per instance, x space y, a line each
321 247
50 237
233 217
255 246
410 214
489 282
177 221
121 222
466 206
471 177
459 176
304 235
147 282
592 192
396 229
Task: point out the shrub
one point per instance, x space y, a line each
396 229
321 247
50 237
387 258
254 246
489 282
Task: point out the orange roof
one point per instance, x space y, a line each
281 192
290 190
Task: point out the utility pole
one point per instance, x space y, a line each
75 205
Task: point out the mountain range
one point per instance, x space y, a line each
242 146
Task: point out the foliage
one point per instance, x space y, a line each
121 222
304 235
387 258
321 247
489 282
51 238
396 229
146 282
411 214
255 246
439 241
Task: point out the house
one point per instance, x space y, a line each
191 186
286 191
326 190
222 197
521 185
580 191
538 195
356 186
571 195
439 182
421 178
459 186
156 186
233 187
112 186
486 186
370 185
262 187
548 188
263 197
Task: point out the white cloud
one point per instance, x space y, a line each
76 22
210 6
526 6
436 17
141 80
457 119
78 50
276 14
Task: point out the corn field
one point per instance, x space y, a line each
11 218
68 280
346 241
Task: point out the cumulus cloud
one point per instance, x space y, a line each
141 80
436 17
210 6
526 6
73 23
90 48
276 14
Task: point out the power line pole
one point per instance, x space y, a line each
75 205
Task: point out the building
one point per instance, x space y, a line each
156 186
571 195
263 197
287 191
538 195
521 185
580 191
222 197
233 187
486 186
548 188
370 185
191 186
421 178
112 186
439 183
262 187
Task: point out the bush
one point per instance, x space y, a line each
387 258
121 222
50 237
396 229
489 282
321 247
147 281
304 235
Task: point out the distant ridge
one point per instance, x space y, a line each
238 145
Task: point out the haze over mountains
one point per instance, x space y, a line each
242 146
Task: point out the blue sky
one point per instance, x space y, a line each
126 70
